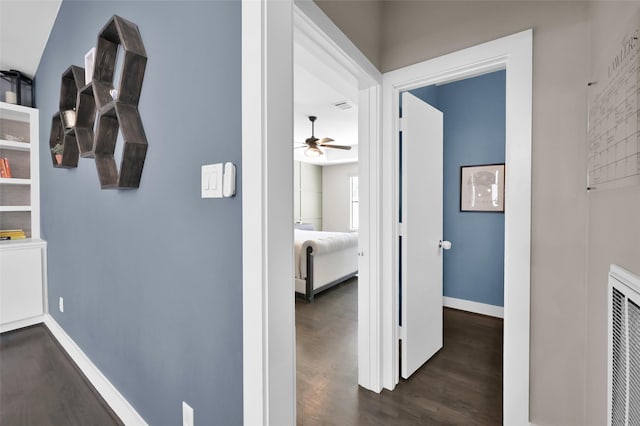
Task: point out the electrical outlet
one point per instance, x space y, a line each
187 414
61 304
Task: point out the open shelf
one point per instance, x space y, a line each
70 146
15 193
126 119
20 146
14 114
22 243
72 81
19 194
70 85
85 120
15 208
15 181
18 161
119 32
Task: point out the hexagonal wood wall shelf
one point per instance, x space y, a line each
116 110
62 132
68 141
85 120
135 146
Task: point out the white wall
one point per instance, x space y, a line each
307 194
336 202
613 215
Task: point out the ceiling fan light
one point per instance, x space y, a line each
313 152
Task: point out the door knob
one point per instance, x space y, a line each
445 245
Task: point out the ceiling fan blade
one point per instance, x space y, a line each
324 140
301 146
345 147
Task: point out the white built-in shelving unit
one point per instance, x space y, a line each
22 262
20 195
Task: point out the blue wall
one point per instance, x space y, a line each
152 278
474 133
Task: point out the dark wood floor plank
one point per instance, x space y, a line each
41 386
460 385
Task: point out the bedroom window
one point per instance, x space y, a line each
353 183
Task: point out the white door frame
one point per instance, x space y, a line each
513 53
267 217
266 176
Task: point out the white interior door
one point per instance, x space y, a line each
421 255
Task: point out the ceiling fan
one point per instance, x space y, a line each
313 144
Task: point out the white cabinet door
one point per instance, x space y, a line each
21 294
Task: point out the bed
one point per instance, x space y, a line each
323 259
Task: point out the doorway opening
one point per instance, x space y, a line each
474 112
466 126
326 221
513 54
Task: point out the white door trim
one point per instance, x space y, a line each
513 53
267 217
312 21
369 284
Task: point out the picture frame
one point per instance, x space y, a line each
482 188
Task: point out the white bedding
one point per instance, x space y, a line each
321 242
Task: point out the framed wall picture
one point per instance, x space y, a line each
482 188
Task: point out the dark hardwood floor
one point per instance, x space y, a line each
460 385
41 386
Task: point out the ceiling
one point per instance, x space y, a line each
24 30
319 82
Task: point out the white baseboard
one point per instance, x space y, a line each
475 307
21 323
127 414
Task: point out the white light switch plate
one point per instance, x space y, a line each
212 181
